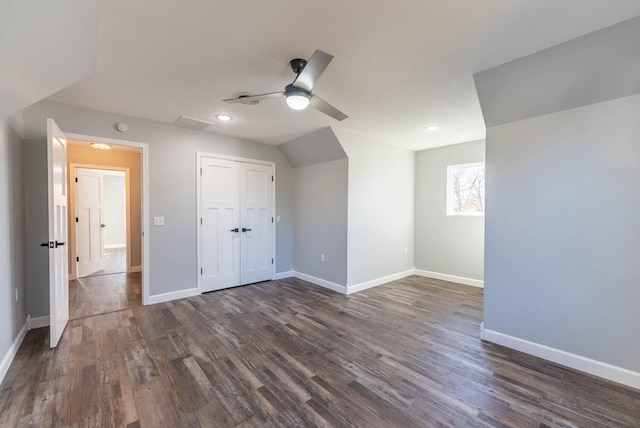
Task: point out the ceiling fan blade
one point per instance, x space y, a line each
312 71
250 99
326 108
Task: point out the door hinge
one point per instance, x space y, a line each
271 219
76 179
77 259
272 179
272 261
200 220
77 219
200 171
200 271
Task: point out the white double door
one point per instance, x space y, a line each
236 223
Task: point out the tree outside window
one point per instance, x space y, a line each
465 189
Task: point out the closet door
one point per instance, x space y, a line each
256 217
220 228
237 205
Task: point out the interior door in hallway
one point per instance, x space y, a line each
89 223
236 223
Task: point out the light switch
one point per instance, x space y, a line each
158 221
277 219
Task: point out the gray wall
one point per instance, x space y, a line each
320 220
562 224
114 210
452 245
381 208
12 275
172 185
562 245
36 232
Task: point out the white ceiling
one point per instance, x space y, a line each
399 65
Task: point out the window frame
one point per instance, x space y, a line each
449 190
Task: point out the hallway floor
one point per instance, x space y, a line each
101 294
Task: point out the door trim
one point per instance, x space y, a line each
199 156
144 149
73 211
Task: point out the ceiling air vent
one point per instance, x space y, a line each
191 123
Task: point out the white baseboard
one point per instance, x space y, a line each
283 275
174 295
38 322
135 269
109 247
451 278
379 281
13 350
587 365
321 282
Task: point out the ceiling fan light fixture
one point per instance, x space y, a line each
297 99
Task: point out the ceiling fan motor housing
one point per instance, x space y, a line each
297 64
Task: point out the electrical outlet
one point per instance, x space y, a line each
406 251
16 294
158 221
321 257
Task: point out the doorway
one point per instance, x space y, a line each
106 224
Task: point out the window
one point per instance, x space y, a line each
465 189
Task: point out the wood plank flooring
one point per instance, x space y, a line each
94 295
290 354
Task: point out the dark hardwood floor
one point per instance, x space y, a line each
287 353
94 295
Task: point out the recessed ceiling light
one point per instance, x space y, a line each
101 146
224 117
432 127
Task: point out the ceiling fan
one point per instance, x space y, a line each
298 94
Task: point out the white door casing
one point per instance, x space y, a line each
220 217
235 194
89 228
57 210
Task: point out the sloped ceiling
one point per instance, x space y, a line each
45 46
599 66
398 67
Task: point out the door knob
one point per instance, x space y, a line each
47 244
244 229
103 225
235 230
59 244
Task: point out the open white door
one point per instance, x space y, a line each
89 225
58 256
